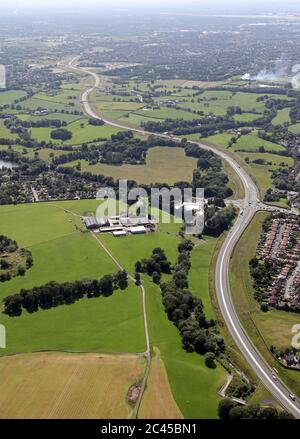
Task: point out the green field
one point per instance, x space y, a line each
163 164
199 283
118 106
34 103
62 97
246 117
217 102
251 142
8 97
81 130
110 324
262 173
282 117
133 119
68 118
217 139
295 129
4 132
164 113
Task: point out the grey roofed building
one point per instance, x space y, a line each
137 230
92 222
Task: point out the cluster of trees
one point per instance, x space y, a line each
155 265
61 134
273 195
218 219
229 409
261 272
240 387
284 179
54 294
96 122
208 174
7 245
9 265
232 110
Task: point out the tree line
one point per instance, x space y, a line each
55 294
185 310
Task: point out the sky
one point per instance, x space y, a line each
165 4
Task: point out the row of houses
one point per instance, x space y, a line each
282 247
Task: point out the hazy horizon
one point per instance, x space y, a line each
230 5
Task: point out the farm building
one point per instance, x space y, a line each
119 233
121 225
92 222
137 230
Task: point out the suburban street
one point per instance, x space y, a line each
250 205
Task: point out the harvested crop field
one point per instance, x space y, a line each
158 401
58 385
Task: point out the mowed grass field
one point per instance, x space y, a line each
68 118
8 97
295 129
58 385
282 117
163 164
61 253
34 103
265 329
5 133
82 132
251 142
198 276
